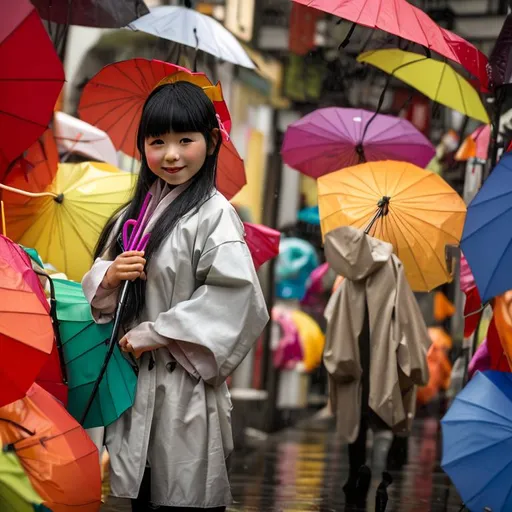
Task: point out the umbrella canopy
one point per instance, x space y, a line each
64 225
113 99
309 215
26 333
58 456
186 26
83 352
16 491
78 137
411 208
91 13
487 239
478 462
433 78
408 22
263 242
31 77
230 170
332 138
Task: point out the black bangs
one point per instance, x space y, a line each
178 107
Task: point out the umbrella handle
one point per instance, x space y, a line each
111 346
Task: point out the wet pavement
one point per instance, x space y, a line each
304 469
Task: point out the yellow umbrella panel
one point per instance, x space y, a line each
413 209
435 79
64 226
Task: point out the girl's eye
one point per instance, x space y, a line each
185 140
156 142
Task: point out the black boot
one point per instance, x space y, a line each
381 496
356 489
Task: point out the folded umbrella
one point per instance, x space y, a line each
31 77
413 209
478 462
26 333
83 352
58 456
64 224
433 78
186 26
332 138
475 145
16 491
75 136
487 239
113 99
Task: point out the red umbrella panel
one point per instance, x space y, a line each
31 78
263 243
404 20
230 170
26 333
58 456
113 99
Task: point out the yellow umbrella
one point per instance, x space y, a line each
433 78
64 222
411 208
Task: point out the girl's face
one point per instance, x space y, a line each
178 157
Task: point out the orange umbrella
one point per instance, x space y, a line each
413 209
26 332
58 456
113 99
230 170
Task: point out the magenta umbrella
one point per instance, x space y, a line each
333 138
263 242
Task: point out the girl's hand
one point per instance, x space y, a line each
125 346
128 266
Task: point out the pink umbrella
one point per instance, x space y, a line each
333 138
263 242
76 136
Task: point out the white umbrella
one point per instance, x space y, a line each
76 136
191 28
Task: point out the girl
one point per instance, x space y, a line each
194 312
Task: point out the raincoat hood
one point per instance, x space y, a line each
354 254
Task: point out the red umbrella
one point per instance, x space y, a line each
26 332
230 170
113 99
31 77
407 21
263 242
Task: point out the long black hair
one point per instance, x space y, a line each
177 107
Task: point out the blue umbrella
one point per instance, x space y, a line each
477 442
487 237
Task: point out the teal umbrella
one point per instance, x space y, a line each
84 346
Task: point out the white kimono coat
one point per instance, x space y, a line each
205 307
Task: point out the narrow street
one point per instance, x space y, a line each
304 469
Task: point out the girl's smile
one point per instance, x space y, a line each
176 157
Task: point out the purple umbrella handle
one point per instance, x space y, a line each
143 242
139 225
126 236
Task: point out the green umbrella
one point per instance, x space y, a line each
16 491
84 346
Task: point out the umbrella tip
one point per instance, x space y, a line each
59 199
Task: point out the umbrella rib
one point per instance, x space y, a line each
486 224
493 198
401 191
356 176
128 77
23 119
32 80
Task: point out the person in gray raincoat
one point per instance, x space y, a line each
194 313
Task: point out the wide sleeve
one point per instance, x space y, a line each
213 331
103 302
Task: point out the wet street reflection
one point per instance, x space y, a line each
304 469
